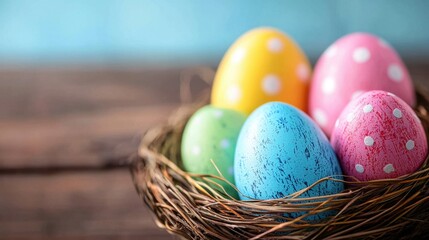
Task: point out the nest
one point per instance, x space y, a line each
186 204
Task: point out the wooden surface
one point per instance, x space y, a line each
65 136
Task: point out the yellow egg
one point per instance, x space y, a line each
263 65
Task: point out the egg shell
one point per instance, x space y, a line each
280 151
378 136
211 134
261 66
354 64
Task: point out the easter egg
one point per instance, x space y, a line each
280 151
378 136
208 144
354 64
261 66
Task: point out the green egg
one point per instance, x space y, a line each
211 134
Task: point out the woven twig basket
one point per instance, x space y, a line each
185 205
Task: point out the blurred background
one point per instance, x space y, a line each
81 81
188 32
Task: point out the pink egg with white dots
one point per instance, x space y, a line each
354 64
379 136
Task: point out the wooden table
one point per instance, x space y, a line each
65 137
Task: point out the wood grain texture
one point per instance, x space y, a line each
74 205
70 118
92 139
65 137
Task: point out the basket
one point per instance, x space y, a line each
184 204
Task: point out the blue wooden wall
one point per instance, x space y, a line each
195 30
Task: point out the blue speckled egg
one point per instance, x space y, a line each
280 151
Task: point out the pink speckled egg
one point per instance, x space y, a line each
379 136
354 64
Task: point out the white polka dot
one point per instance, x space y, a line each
328 85
410 145
238 55
218 113
275 45
389 168
225 143
395 72
271 84
233 94
361 55
337 123
397 113
367 108
197 120
357 94
320 117
350 117
231 170
196 150
303 72
359 168
369 141
331 51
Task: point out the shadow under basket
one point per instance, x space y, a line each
185 205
